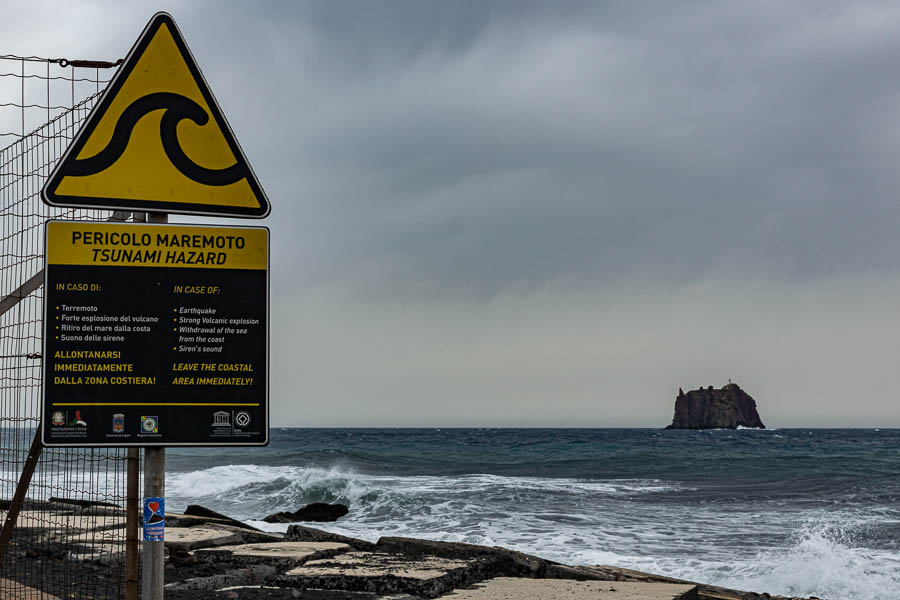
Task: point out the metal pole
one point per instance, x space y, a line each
132 503
153 563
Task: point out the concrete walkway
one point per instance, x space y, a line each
10 590
510 588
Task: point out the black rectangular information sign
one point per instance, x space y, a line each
155 335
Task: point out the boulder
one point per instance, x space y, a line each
317 511
195 510
83 503
726 408
299 533
508 562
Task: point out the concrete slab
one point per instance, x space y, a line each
191 538
374 564
105 536
105 553
11 590
314 594
382 573
290 552
55 520
512 588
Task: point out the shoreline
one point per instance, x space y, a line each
217 558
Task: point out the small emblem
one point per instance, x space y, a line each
149 424
242 419
58 418
221 419
154 519
118 424
78 421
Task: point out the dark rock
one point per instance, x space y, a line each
317 511
181 558
727 408
26 505
508 563
299 533
83 503
195 510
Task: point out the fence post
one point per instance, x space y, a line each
153 563
132 504
21 489
153 567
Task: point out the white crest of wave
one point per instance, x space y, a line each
253 491
823 561
241 480
219 480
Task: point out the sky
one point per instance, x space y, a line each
555 213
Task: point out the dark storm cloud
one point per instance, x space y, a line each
462 147
465 147
557 213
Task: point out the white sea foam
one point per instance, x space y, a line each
576 521
268 484
822 559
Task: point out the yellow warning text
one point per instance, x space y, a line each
119 244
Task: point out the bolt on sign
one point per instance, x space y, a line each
157 141
155 335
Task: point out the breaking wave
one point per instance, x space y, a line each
252 491
822 557
792 512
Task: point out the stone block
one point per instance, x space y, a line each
514 588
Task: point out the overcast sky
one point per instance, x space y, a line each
556 213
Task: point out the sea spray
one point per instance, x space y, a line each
794 512
823 558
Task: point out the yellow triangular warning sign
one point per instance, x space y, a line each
157 141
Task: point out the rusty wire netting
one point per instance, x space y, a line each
70 536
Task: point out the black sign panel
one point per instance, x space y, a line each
155 335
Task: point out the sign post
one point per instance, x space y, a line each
153 546
155 335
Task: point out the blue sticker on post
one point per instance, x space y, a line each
154 519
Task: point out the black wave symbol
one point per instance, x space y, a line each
177 107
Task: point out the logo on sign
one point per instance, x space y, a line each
221 419
154 519
78 421
242 419
118 423
58 418
150 424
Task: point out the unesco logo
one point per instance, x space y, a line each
242 419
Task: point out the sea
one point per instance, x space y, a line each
796 512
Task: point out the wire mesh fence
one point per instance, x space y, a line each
34 90
69 540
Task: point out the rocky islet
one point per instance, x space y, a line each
729 407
